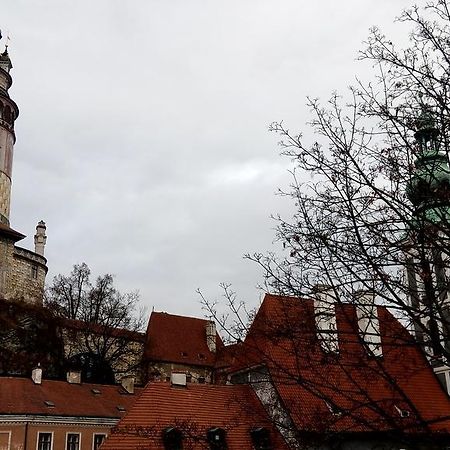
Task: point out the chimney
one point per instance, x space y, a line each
127 383
40 238
325 317
74 377
36 375
211 335
368 325
178 379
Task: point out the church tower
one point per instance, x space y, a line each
8 114
428 252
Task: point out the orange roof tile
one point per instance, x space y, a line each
21 396
193 409
178 339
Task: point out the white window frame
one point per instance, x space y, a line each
97 434
79 438
44 432
9 438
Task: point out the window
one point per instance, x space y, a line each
216 438
73 441
98 440
44 441
34 271
5 440
261 438
172 438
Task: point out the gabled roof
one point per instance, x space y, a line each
193 409
178 339
351 391
21 396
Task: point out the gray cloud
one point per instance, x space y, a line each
142 137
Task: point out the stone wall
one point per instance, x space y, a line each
161 371
121 349
26 277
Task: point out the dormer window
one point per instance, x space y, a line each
216 438
172 439
261 439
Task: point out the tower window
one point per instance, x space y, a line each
172 439
216 438
261 438
34 271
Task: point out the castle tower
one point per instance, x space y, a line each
8 114
22 272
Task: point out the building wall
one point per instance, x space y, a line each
6 263
161 371
24 435
123 354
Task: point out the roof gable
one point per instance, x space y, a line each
178 339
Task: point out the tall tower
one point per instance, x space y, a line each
8 114
428 254
22 271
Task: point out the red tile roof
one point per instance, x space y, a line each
366 389
22 396
193 409
178 339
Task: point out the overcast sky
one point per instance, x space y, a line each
142 137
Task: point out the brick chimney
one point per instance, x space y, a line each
325 317
36 375
127 383
368 325
74 377
211 335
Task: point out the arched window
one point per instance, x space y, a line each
216 438
172 439
261 438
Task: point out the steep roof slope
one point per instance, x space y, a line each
178 339
193 409
22 396
348 391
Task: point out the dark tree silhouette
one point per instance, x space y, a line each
102 326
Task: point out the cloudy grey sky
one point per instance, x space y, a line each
142 138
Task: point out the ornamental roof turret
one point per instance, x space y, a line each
429 186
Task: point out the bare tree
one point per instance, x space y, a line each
372 213
102 326
372 193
